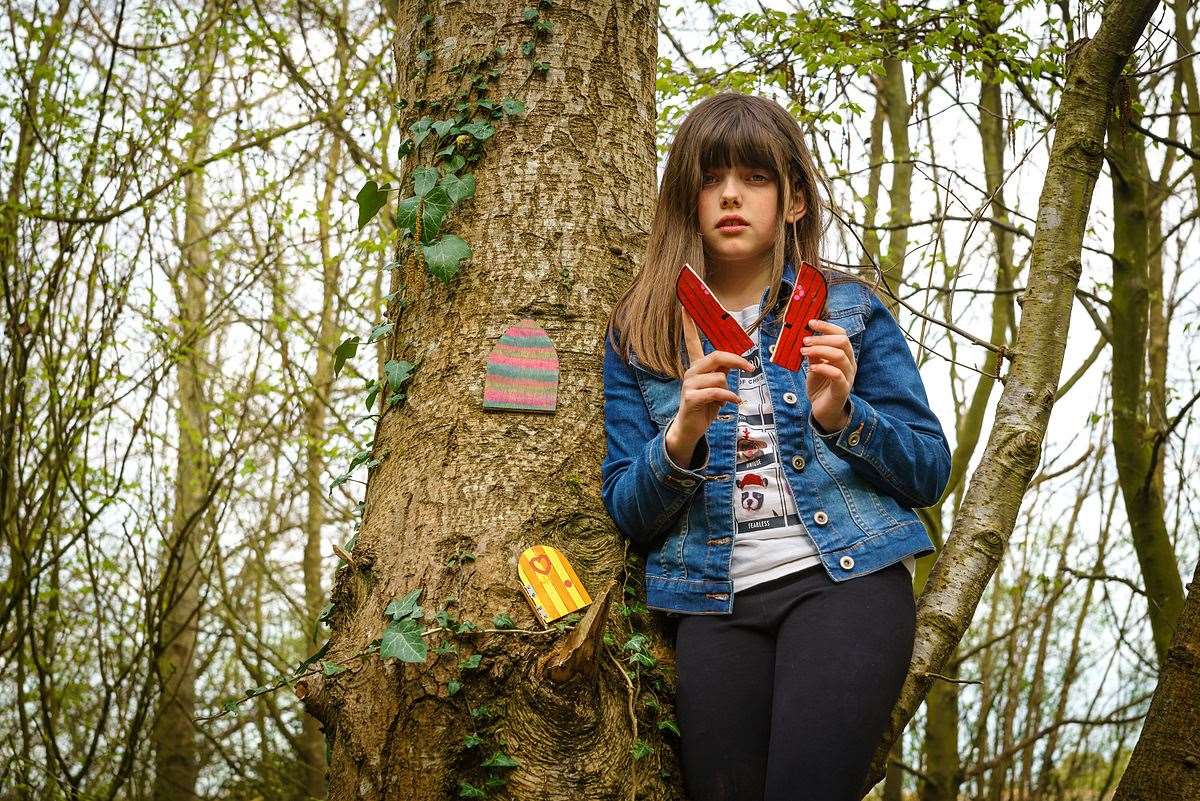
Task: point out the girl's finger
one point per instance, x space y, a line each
827 354
828 333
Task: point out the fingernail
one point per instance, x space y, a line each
807 340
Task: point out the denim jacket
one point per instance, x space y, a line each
854 489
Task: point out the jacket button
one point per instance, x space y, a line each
820 517
852 440
847 562
798 462
771 349
789 397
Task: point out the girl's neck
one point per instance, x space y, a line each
738 285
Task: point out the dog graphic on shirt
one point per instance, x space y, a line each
752 499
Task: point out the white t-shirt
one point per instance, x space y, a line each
771 539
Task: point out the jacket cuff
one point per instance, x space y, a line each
830 437
671 474
855 437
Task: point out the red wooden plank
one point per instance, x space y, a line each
718 325
806 303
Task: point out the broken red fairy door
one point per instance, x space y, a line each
806 303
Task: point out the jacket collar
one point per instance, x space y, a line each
787 283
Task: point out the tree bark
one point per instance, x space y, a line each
174 735
988 514
1165 765
1134 450
562 206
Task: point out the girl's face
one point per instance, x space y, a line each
738 214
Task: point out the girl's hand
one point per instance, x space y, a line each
704 389
831 371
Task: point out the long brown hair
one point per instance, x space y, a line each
723 130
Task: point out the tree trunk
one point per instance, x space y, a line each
557 224
1133 432
1165 765
988 514
174 735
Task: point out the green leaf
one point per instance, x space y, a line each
471 662
401 608
446 648
459 188
453 686
671 726
402 639
344 351
331 668
468 790
420 130
423 180
479 130
442 127
512 106
379 332
472 740
445 255
397 373
371 199
372 394
500 760
529 14
326 611
641 749
434 207
503 621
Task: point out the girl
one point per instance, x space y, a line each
774 508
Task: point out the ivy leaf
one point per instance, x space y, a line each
434 206
402 639
442 127
372 394
344 351
641 749
671 726
397 373
453 686
331 668
468 790
420 130
479 130
459 188
503 621
404 607
512 106
500 760
379 332
444 256
471 662
529 14
423 180
472 740
405 148
370 200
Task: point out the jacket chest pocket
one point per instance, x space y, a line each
855 324
660 394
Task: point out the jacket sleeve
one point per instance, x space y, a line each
893 439
643 490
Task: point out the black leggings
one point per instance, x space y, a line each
786 698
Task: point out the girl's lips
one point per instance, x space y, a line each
732 229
